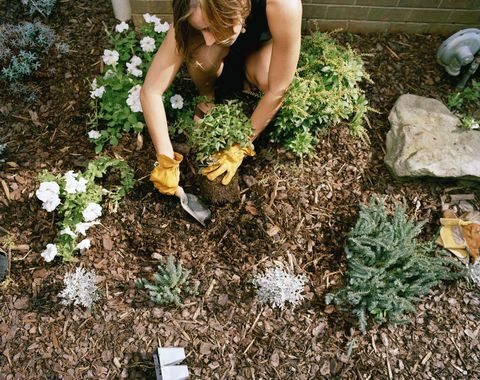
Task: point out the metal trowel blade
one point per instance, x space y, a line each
195 207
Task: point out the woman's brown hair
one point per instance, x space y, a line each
222 15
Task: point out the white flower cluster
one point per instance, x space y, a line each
133 100
147 44
93 134
176 101
159 26
48 193
80 288
110 57
122 27
132 66
72 185
278 287
97 92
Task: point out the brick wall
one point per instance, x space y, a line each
363 16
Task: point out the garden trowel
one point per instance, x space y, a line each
194 206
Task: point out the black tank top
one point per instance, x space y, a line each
230 83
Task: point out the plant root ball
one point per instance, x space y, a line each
216 193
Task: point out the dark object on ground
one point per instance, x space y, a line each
218 194
3 265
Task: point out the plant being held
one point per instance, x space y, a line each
80 288
324 93
222 127
169 285
278 287
115 94
388 270
76 199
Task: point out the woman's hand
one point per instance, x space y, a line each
166 174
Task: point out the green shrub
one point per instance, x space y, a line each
324 93
170 283
387 269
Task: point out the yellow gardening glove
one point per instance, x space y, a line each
451 236
227 161
166 174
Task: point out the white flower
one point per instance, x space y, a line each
475 126
82 228
110 57
48 193
92 212
161 28
84 244
71 182
80 288
93 134
50 253
147 44
176 101
132 69
133 99
150 19
136 61
68 231
123 26
94 84
98 92
278 287
82 185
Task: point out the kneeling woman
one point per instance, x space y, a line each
225 43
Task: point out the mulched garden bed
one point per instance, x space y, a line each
290 211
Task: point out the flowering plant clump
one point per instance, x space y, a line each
278 287
80 288
115 94
76 199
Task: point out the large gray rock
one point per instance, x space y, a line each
425 140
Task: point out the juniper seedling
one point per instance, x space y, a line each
170 284
388 270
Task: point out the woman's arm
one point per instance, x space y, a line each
161 74
285 23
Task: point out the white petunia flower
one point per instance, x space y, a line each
80 288
136 61
133 100
161 27
147 44
98 92
82 228
176 101
48 193
475 126
84 244
110 57
92 212
50 252
93 134
120 28
68 231
71 182
132 69
82 185
150 18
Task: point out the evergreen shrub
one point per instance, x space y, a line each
388 270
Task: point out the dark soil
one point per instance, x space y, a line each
290 211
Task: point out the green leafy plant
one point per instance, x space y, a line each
325 92
115 103
469 96
76 199
170 284
388 270
223 126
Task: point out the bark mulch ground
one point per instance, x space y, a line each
290 211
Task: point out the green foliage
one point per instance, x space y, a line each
170 283
324 93
24 49
469 96
387 269
115 99
74 203
225 125
468 122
